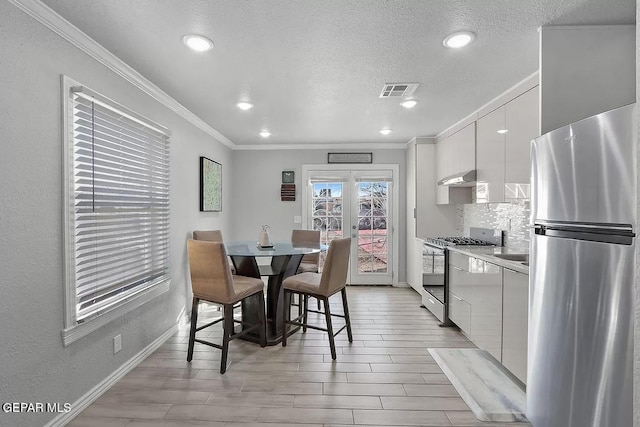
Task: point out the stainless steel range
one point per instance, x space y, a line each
435 258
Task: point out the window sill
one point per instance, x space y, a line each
76 332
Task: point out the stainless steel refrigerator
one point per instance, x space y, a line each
583 209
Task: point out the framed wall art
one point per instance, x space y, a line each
210 185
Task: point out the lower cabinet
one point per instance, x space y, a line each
460 313
475 301
515 325
489 304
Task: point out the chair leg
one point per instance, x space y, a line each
227 331
347 319
327 315
285 329
192 332
263 322
304 316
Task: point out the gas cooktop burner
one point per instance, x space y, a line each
458 241
477 237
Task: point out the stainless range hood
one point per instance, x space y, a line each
462 179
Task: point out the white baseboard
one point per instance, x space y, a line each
401 285
80 405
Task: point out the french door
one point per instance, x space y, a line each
356 203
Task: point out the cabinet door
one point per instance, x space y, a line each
522 121
515 323
442 161
486 306
460 313
467 148
490 157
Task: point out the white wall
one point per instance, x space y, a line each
34 365
256 186
584 70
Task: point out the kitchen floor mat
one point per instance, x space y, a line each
483 384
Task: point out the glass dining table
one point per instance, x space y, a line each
285 260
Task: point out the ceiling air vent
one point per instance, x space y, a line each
398 90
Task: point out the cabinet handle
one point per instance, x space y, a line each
457 268
457 297
431 301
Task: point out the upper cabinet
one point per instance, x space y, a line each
491 156
503 144
456 154
465 144
523 124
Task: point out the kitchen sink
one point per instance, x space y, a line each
514 257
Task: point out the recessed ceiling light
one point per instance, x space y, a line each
409 103
264 133
458 39
385 131
197 42
503 131
244 105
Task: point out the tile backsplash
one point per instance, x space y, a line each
513 218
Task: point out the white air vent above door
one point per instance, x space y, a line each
398 90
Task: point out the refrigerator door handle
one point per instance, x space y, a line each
592 234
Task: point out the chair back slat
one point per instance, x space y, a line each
211 278
336 266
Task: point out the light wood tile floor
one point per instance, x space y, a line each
386 377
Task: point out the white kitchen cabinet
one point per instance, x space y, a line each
503 159
465 149
423 217
475 301
456 154
522 122
515 323
490 157
486 303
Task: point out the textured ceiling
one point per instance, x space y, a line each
314 68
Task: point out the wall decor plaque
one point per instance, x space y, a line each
350 158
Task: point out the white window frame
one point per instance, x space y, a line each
73 330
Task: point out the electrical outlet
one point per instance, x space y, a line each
297 219
117 343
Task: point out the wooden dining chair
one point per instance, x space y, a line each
212 281
321 286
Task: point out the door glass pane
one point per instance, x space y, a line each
327 212
372 227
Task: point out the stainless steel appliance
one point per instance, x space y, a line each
580 361
435 258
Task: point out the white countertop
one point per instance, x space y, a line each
487 253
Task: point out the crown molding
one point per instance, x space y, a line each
50 19
350 146
519 88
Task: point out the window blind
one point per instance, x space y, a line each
120 205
